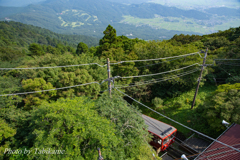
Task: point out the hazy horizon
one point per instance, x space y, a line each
182 4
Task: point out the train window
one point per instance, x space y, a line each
172 136
169 138
166 140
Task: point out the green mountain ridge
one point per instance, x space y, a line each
91 17
16 37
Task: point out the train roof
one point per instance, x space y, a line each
157 127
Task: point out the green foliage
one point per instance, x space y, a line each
46 120
216 42
74 127
35 80
36 99
6 133
36 49
129 127
223 104
185 39
81 48
157 102
159 49
23 35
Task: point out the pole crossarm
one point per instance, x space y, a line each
111 79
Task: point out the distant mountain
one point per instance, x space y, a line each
23 35
223 11
186 4
90 17
129 1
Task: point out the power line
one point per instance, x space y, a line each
157 58
179 123
155 80
161 62
230 64
54 66
47 90
157 127
226 59
161 72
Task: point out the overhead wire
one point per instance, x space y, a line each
156 80
161 62
226 59
155 126
230 64
158 127
179 122
147 75
77 65
156 58
48 89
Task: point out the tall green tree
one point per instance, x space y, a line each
129 126
110 35
36 99
72 126
36 49
81 48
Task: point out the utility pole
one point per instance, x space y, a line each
99 154
109 82
199 79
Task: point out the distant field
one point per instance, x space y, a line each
77 17
180 24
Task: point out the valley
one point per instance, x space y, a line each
184 24
148 21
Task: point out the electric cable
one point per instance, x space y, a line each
159 128
160 73
230 64
179 123
48 89
161 62
226 59
155 80
54 66
156 58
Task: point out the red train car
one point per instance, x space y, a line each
163 134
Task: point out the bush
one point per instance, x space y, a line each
177 105
157 102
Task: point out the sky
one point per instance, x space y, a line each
178 3
18 3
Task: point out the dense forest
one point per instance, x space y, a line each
77 120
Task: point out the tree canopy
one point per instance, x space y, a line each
223 104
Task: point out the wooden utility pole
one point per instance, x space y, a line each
99 154
199 79
109 82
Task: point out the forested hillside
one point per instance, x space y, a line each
16 38
149 21
54 96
